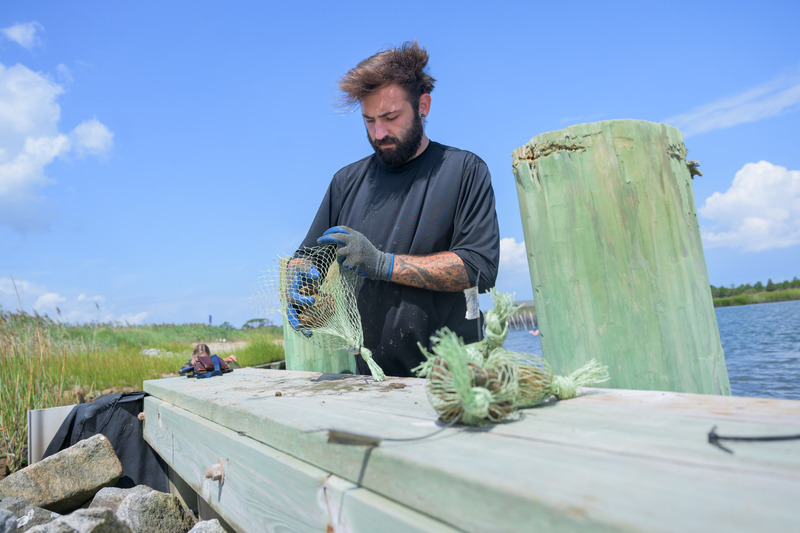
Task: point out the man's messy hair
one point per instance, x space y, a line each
404 65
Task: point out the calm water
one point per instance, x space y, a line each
761 344
762 349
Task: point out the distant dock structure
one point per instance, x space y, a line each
525 317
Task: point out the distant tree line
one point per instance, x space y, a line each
725 292
255 323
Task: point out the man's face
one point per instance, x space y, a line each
394 128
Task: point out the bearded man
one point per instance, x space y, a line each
416 219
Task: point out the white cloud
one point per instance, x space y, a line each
134 318
48 302
92 138
776 97
20 293
10 288
512 254
30 140
64 73
27 106
96 299
760 211
80 309
25 35
513 275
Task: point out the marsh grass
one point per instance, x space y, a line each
252 354
44 363
32 376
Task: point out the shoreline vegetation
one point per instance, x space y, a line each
746 294
758 298
756 294
45 363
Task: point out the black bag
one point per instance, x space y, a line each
116 417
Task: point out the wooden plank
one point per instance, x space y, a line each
351 508
707 406
608 461
264 489
616 260
667 436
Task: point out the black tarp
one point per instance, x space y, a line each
116 417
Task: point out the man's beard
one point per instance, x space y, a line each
404 148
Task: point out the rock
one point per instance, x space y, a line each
27 515
145 509
96 520
155 511
14 504
208 526
68 478
8 522
34 516
110 497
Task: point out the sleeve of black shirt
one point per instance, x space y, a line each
476 238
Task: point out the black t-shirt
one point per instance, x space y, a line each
440 201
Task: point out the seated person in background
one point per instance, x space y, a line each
203 350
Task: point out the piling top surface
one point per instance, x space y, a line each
600 125
577 137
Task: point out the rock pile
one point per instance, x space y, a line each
72 492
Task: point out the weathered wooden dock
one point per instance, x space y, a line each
609 460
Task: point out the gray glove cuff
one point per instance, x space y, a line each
385 266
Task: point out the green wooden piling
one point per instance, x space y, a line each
304 355
615 256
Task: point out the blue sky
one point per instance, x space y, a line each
157 157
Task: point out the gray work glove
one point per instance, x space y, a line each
355 252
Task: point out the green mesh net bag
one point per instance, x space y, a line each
483 383
315 295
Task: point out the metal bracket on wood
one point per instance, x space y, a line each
216 472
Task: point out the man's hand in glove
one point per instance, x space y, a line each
356 252
303 283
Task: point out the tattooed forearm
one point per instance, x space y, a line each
438 272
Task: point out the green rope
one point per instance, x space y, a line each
482 382
374 368
566 387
